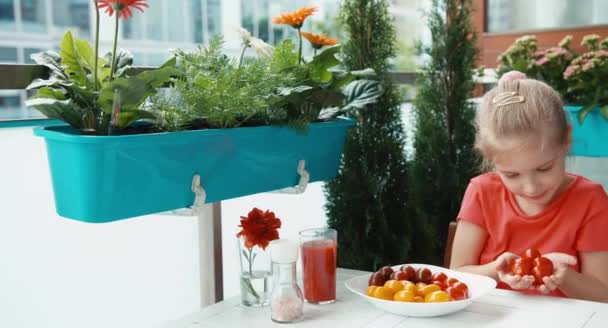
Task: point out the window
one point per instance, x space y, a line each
33 16
154 21
525 15
8 55
73 14
7 16
178 31
133 28
197 21
214 17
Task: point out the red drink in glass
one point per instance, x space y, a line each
319 265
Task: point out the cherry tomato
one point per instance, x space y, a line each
383 293
522 266
377 279
370 290
441 284
542 267
409 286
404 296
399 275
424 275
409 270
456 294
394 285
531 253
437 296
451 281
462 287
418 299
386 271
439 276
428 289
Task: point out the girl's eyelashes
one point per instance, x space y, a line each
545 169
510 175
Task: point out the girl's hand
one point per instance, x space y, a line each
561 262
503 268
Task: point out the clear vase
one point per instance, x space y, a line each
255 275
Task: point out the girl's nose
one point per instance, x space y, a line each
532 187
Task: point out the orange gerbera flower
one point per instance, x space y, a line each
259 228
318 41
295 18
122 7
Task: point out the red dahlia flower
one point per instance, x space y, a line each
259 228
122 7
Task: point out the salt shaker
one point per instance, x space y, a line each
286 300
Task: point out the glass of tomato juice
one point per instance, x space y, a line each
319 252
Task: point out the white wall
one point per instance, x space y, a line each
56 272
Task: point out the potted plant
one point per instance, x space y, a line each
580 79
241 125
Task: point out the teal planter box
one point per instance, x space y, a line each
591 138
107 178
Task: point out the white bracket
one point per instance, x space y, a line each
302 184
199 192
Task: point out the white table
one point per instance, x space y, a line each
500 308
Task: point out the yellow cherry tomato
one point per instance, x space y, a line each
383 293
419 287
418 299
404 296
437 297
423 291
394 285
370 290
410 287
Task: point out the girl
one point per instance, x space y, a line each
529 201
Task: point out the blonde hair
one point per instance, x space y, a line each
520 110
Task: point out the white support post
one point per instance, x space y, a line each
210 245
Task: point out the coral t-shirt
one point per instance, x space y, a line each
576 221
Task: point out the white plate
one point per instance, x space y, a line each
478 286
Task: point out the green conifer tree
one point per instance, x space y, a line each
444 159
367 202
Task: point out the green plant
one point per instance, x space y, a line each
587 77
444 159
81 87
277 87
520 56
368 201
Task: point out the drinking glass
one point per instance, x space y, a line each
319 252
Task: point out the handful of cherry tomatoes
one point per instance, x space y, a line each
532 263
415 285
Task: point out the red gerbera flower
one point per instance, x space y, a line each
259 228
122 7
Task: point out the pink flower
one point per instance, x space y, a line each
542 61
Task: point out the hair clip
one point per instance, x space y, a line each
507 98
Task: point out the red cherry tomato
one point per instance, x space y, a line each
399 275
531 253
386 271
424 275
451 281
441 284
409 270
439 276
456 294
522 266
542 267
462 287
